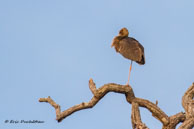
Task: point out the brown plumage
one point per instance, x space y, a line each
129 48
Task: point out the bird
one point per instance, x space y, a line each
129 48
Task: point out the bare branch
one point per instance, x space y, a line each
187 124
136 118
188 102
51 102
168 122
92 87
100 92
154 109
188 105
175 120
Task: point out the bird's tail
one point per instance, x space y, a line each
142 62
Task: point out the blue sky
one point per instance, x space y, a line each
52 48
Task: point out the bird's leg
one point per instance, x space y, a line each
129 73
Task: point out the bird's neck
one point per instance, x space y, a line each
116 41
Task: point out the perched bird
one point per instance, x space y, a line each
129 48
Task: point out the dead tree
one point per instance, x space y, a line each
168 122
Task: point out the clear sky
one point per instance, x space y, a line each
52 48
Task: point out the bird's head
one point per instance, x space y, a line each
123 32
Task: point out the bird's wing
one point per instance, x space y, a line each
131 49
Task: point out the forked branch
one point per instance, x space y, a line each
168 122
